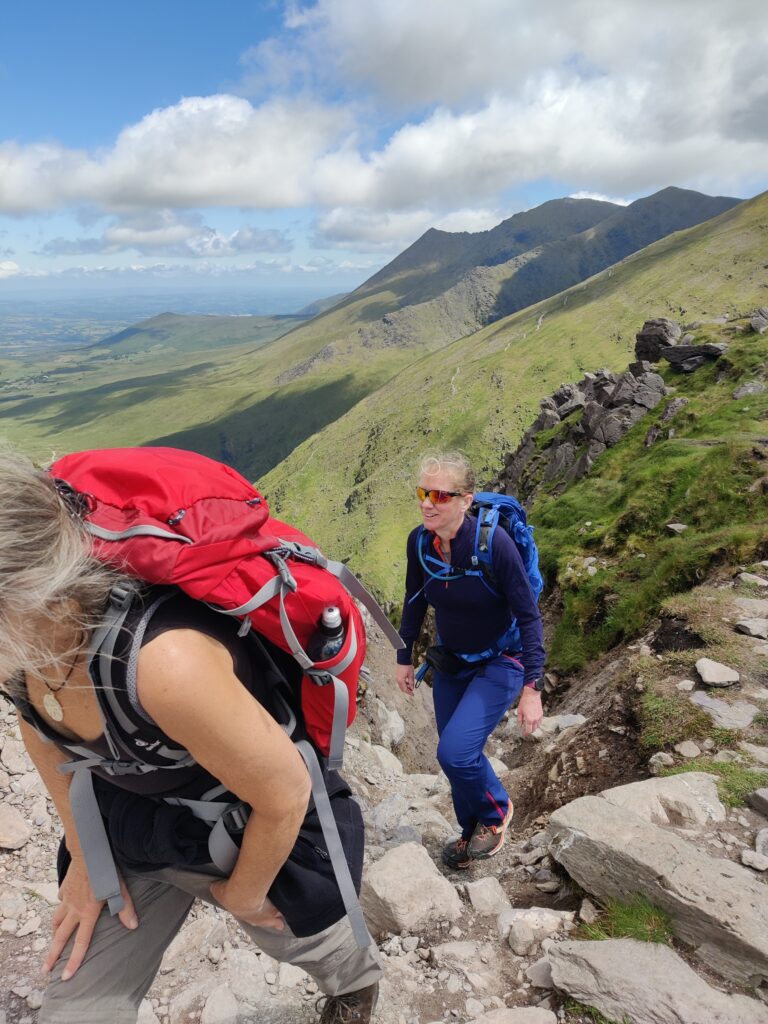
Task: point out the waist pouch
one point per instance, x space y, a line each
147 834
445 661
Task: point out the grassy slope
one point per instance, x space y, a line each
349 486
700 477
127 392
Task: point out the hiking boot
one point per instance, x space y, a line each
350 1008
456 854
488 839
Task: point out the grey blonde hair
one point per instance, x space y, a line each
52 590
455 464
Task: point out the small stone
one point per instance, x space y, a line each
686 685
14 830
588 912
713 673
761 842
754 860
659 761
677 528
753 387
688 749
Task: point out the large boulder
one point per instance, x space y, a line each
687 358
646 982
405 891
684 801
655 335
716 906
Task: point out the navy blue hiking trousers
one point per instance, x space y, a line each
468 707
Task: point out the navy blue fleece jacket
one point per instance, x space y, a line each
469 617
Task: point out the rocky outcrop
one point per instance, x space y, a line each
650 978
654 336
595 413
716 906
759 320
687 358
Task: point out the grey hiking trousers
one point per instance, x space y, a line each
121 964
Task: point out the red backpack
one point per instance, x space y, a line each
174 517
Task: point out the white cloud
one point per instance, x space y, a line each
9 269
608 98
600 198
168 233
203 151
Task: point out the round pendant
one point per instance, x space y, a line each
52 707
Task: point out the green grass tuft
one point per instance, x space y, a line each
591 1014
636 918
666 720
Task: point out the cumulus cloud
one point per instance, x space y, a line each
9 269
607 98
204 151
166 233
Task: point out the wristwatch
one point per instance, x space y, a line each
536 684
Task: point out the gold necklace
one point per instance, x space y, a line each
51 702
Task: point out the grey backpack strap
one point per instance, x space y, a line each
335 849
97 853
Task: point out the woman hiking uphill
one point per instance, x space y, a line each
472 618
199 688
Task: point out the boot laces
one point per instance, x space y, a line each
338 1009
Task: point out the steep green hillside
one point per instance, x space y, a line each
707 476
350 485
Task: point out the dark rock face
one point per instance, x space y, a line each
609 405
687 358
655 335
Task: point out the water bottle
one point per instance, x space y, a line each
329 638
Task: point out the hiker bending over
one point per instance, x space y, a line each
484 660
199 709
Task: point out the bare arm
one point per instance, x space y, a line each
187 684
78 910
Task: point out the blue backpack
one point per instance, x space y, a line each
492 511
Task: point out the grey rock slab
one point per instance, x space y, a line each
647 982
715 905
15 758
389 722
405 891
736 714
221 1007
761 842
744 577
754 627
683 801
540 973
752 387
755 751
753 607
387 760
759 800
487 896
517 1015
714 673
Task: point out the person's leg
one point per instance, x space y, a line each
120 964
331 957
460 751
447 693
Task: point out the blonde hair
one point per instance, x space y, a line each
455 464
52 590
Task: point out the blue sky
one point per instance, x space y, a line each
293 148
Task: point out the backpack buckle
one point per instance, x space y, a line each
285 573
121 597
236 818
319 676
